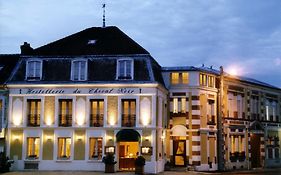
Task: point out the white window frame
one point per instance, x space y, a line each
118 70
32 78
79 70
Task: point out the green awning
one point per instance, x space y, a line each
128 135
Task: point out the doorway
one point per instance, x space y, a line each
255 150
179 152
128 152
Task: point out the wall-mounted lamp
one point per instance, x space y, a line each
16 137
147 138
48 138
79 138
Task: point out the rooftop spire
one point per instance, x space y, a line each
103 17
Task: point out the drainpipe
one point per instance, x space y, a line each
220 137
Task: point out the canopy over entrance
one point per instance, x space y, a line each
128 135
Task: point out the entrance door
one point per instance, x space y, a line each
128 152
255 151
179 150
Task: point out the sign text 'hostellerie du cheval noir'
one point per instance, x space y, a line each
81 91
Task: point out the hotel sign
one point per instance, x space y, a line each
50 91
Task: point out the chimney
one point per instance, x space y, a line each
26 49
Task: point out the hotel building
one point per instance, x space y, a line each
97 91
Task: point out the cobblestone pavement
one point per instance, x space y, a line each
181 172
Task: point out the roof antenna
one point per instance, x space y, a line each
103 17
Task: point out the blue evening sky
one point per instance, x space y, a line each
240 34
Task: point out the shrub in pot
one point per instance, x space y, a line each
109 162
139 165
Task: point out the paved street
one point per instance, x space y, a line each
256 172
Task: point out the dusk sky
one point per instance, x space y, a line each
244 34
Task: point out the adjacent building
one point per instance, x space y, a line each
97 91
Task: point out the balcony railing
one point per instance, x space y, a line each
65 120
96 120
237 156
128 120
33 120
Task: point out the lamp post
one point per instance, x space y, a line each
220 135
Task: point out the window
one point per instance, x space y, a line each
175 105
64 148
211 112
203 80
33 70
183 105
95 148
97 112
211 81
33 146
174 78
184 77
271 110
33 112
128 112
79 70
179 78
125 69
65 112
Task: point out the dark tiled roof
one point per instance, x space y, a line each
100 70
93 41
7 64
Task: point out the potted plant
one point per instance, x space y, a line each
139 165
5 163
109 162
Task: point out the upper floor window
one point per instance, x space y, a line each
125 70
65 112
206 80
179 78
33 112
34 70
97 112
128 112
79 70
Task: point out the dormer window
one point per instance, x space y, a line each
79 70
125 69
34 70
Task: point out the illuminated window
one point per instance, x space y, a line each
125 69
33 146
211 81
184 77
95 148
1 113
203 79
33 112
211 112
97 112
183 105
33 70
65 112
128 112
64 148
175 105
174 78
79 70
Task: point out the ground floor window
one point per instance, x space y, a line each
33 146
64 147
95 148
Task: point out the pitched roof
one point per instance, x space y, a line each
7 64
93 41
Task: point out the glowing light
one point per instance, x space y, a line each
49 121
16 137
48 138
80 111
112 120
233 71
80 120
17 112
79 138
145 111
